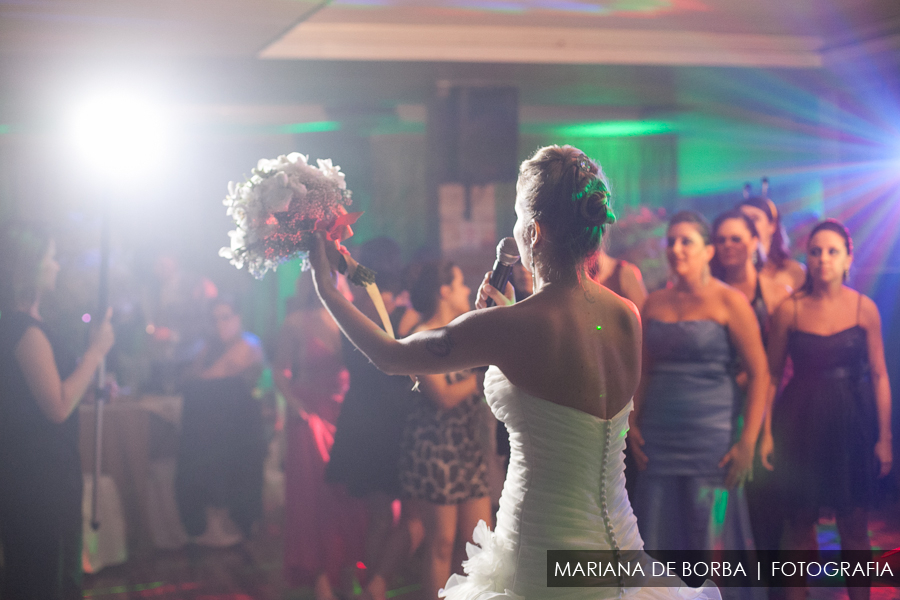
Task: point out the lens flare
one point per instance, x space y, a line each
119 133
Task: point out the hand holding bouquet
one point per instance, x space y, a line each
277 208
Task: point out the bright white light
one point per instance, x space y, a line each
120 134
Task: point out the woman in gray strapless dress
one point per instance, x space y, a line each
685 433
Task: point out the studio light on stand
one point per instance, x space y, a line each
120 136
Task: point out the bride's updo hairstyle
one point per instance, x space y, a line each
568 195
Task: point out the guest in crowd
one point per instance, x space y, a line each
366 453
324 527
443 470
219 475
773 240
685 439
176 304
41 385
740 263
829 436
621 277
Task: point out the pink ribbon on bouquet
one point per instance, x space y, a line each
339 230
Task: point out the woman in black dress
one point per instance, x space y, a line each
831 426
219 477
40 388
366 453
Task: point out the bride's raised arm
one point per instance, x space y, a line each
474 339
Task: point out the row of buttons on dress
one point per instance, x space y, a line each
605 508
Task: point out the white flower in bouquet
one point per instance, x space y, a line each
284 199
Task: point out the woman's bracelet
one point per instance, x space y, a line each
361 275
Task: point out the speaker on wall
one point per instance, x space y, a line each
474 133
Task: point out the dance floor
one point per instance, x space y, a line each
253 571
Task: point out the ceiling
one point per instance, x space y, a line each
792 33
260 63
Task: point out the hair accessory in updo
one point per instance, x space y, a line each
566 192
593 203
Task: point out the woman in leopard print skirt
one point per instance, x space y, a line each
443 472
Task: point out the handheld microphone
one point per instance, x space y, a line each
507 256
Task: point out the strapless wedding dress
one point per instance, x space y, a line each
565 489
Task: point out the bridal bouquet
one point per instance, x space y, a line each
285 199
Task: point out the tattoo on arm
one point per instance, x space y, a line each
440 344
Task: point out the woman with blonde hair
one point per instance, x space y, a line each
565 363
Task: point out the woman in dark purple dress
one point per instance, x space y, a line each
831 426
40 387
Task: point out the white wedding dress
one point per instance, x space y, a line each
565 489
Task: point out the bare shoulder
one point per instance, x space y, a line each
630 271
795 267
518 323
783 314
34 349
869 316
495 314
656 299
736 311
624 311
33 340
796 273
767 278
730 296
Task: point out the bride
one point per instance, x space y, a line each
566 362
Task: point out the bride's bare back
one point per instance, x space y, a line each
578 347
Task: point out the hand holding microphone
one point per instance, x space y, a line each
498 279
